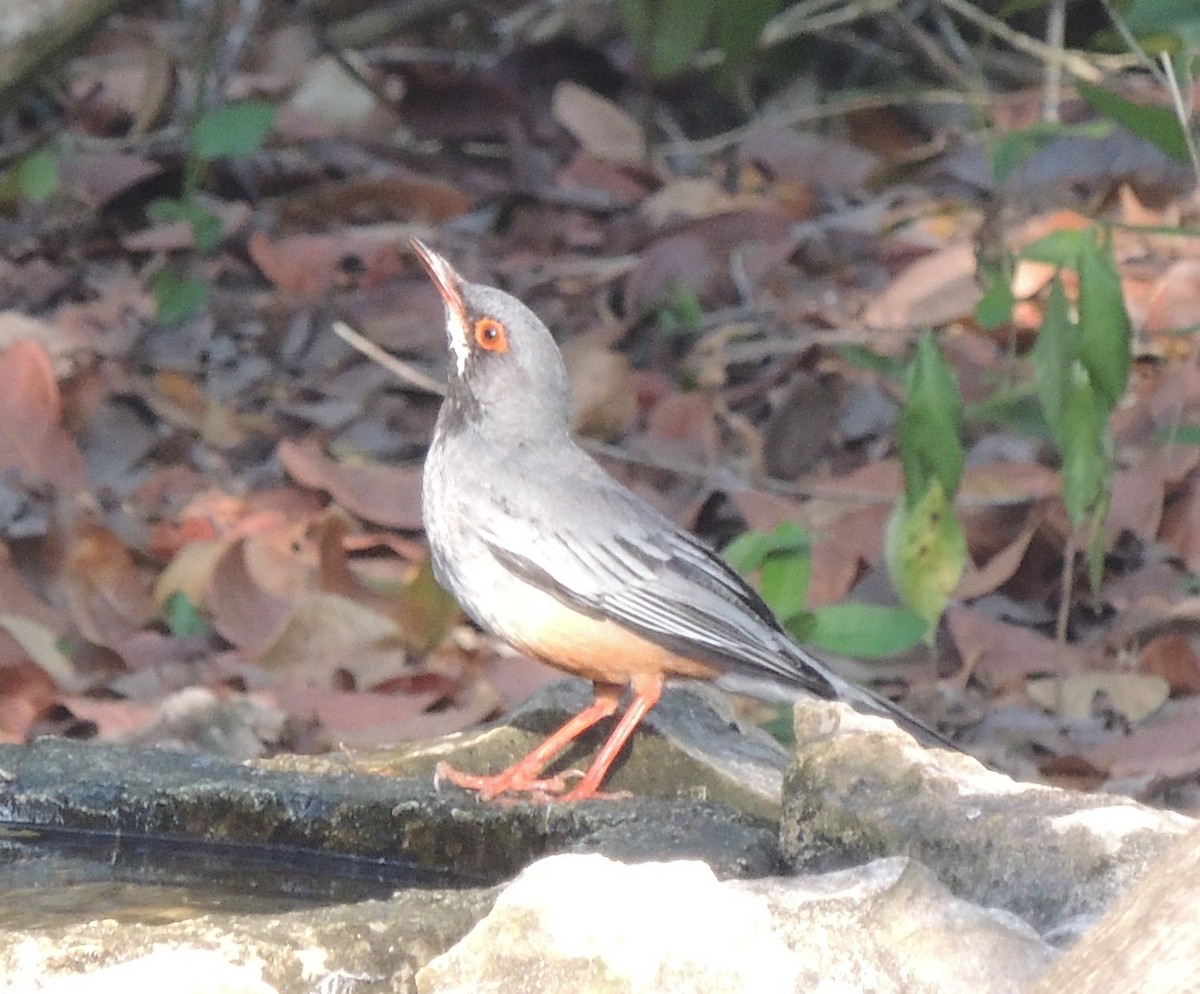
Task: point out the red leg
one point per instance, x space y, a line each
523 775
646 692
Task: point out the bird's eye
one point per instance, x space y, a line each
490 335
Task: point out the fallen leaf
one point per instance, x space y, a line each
1075 696
385 495
310 266
242 612
936 289
324 633
106 594
603 394
31 437
598 124
1172 658
1001 656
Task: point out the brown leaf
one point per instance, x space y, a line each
309 266
1078 696
603 393
842 550
243 612
598 124
936 289
31 438
106 594
1172 658
1168 748
698 258
1172 304
325 633
26 691
385 495
1000 568
1002 656
806 157
364 200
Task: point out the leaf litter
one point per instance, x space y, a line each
211 528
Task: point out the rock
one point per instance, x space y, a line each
696 748
860 788
1148 942
442 835
294 953
571 923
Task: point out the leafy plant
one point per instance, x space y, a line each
926 550
235 131
669 34
1081 366
783 561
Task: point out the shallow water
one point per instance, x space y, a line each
55 876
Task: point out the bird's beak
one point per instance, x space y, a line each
449 285
447 281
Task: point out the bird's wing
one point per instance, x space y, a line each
627 563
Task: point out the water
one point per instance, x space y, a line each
57 876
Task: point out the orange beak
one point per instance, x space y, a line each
447 281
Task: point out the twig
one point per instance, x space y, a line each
400 368
1075 62
1056 38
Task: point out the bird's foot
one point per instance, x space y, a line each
514 780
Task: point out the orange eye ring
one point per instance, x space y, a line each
491 335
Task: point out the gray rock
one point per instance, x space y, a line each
860 788
571 923
695 748
1148 942
342 946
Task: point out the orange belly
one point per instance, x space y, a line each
601 651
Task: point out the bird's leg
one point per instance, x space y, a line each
524 774
646 692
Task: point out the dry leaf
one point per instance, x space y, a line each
598 124
1075 696
1001 656
385 495
31 438
935 290
1172 658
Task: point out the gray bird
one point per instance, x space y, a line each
544 549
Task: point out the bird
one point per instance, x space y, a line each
544 549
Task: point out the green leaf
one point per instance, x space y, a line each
1012 148
925 552
1053 358
995 307
668 33
784 584
207 228
929 424
868 631
177 297
738 28
37 175
680 313
183 618
1105 331
1084 449
1060 248
1178 435
784 559
1152 16
749 551
1157 125
234 131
